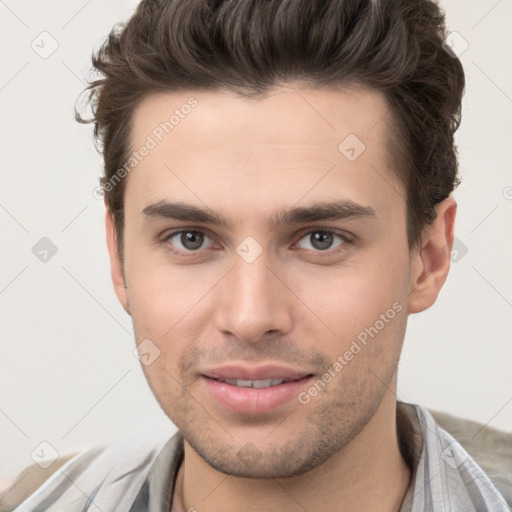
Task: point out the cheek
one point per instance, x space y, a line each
167 314
162 293
350 298
167 306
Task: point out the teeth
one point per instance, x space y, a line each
254 383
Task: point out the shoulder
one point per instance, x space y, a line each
489 447
30 479
448 473
109 473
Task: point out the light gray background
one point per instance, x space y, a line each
67 372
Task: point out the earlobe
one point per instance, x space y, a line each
431 262
116 267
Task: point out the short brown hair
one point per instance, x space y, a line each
249 46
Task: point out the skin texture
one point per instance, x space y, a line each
296 305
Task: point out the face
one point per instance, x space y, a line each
266 261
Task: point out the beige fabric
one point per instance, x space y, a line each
31 478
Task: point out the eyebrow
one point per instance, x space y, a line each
334 210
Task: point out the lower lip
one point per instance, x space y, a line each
254 400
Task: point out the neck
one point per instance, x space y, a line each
368 474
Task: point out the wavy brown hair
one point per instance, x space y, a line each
249 46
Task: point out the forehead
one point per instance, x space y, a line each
286 144
284 115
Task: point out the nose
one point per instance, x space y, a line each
254 302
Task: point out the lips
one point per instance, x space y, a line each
257 373
253 390
261 383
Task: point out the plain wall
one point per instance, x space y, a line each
67 372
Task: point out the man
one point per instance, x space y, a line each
278 179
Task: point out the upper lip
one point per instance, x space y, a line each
264 372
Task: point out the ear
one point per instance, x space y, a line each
430 262
116 267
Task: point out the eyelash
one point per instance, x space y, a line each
328 252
